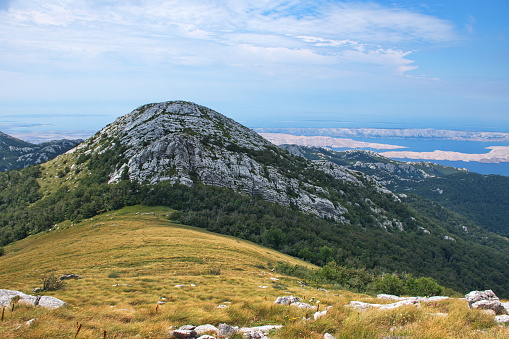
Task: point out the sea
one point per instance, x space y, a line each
426 145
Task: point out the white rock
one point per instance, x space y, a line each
287 300
502 318
319 314
302 305
30 322
202 329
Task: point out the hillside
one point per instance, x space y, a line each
143 275
484 199
15 153
225 178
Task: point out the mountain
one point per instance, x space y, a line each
221 176
184 143
15 153
484 199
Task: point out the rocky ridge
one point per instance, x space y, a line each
15 153
185 143
384 170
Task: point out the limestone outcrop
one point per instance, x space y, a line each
9 296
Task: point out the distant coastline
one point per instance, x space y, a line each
481 152
428 133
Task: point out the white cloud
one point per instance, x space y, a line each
198 32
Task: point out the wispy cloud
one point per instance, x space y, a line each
235 33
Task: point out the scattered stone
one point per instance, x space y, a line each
363 306
179 286
287 300
323 290
222 331
258 332
274 279
37 290
328 336
159 302
222 306
70 277
263 286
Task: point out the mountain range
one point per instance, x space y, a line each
15 153
219 175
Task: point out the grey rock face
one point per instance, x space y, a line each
16 153
184 143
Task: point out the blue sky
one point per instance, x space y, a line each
70 67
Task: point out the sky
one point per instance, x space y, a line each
68 68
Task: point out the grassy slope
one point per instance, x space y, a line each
129 261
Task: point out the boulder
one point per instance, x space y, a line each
287 300
70 277
8 296
476 296
225 330
485 300
50 302
492 305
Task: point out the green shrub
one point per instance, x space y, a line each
51 282
390 284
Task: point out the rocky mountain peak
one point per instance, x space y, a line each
185 143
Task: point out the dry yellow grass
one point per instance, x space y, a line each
133 258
